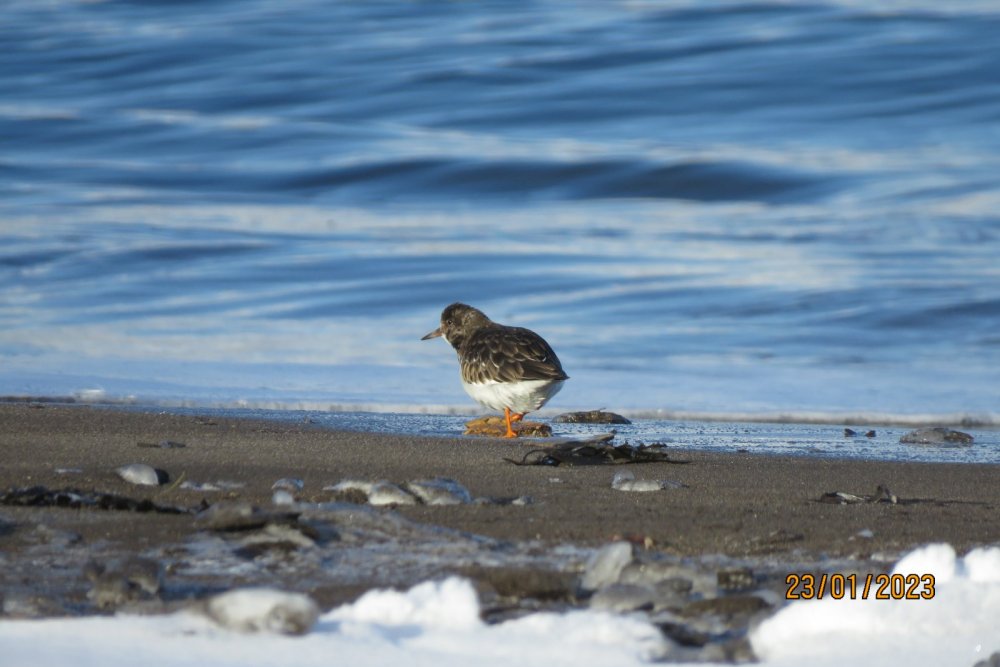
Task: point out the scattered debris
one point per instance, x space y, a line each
936 436
591 417
589 452
40 496
162 444
881 495
495 427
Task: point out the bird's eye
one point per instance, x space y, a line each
448 322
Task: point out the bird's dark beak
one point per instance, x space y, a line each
433 334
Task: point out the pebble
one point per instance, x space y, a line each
239 515
142 474
624 480
351 485
387 493
263 610
278 536
43 534
288 484
282 497
590 417
937 436
623 598
669 577
605 565
25 604
992 661
733 579
127 581
220 485
439 491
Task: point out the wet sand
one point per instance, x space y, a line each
757 513
740 504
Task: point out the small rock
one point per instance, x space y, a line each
235 515
55 537
288 484
282 497
992 661
25 604
439 491
623 598
735 579
274 537
347 485
591 417
111 590
263 610
605 565
936 436
849 433
865 533
624 480
142 474
387 493
869 434
219 485
726 607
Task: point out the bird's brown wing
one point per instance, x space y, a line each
509 354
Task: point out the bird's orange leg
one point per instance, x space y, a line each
509 417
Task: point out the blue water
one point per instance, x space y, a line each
711 210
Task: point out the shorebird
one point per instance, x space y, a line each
503 368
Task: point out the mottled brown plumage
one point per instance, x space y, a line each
504 368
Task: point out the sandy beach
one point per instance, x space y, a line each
736 504
735 508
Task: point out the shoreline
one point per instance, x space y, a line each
853 418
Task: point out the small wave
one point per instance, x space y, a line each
709 181
813 417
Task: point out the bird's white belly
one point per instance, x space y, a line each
524 396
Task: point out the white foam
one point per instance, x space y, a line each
958 626
433 624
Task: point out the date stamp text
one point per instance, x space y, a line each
865 586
